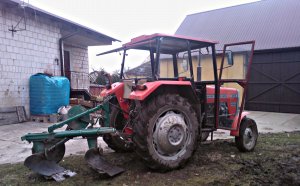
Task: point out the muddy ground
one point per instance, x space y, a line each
275 161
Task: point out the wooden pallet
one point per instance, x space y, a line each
11 115
52 118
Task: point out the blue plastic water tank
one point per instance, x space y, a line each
48 93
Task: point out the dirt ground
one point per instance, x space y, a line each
275 161
13 150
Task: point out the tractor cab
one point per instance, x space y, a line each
162 46
220 99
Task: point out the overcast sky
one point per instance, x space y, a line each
124 20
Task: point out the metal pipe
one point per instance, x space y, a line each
152 63
217 86
247 80
36 136
199 68
175 65
62 72
68 134
61 50
157 57
122 65
84 132
190 60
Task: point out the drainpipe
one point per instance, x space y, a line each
61 51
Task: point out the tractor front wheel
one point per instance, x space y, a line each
246 141
165 132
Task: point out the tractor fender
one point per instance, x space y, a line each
116 88
153 86
235 126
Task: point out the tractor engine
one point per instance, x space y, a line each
228 108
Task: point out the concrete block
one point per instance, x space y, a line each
18 43
9 48
32 52
37 42
5 55
40 49
8 35
27 39
24 57
9 69
21 38
20 70
3 61
3 48
29 33
17 71
4 77
6 41
37 53
15 38
28 52
13 56
30 28
12 43
15 49
24 45
32 40
45 38
40 36
35 47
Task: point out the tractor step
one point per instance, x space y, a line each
97 162
50 169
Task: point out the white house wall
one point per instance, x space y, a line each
28 52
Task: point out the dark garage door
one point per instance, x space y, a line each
274 83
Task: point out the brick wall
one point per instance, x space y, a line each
31 51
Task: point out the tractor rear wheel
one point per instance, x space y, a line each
165 132
248 135
113 141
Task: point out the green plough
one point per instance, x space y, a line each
49 147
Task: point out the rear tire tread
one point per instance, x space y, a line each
142 123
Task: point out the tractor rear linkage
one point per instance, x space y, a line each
49 147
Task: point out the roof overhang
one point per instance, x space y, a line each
81 35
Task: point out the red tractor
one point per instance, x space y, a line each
163 118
